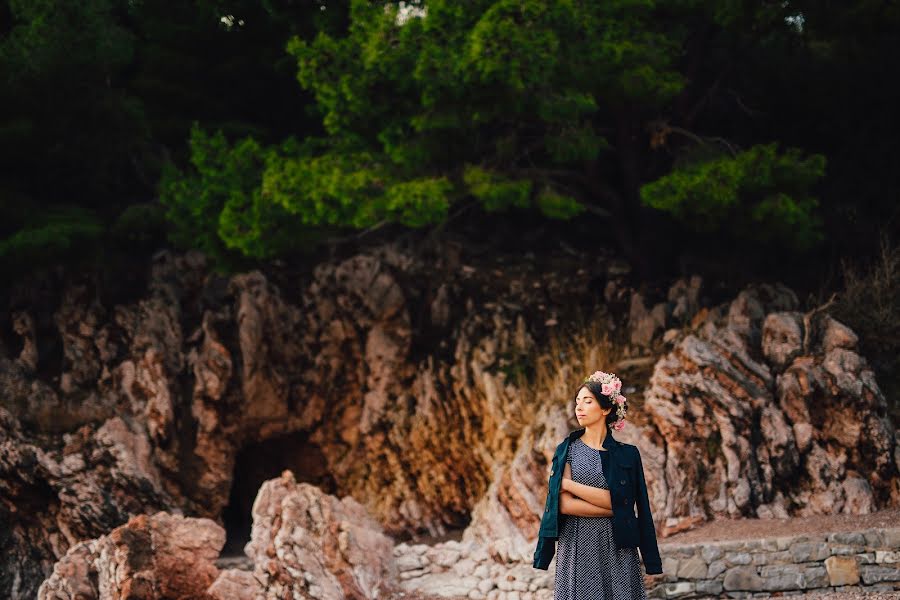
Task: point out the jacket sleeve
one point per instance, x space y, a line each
649 548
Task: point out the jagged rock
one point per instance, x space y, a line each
53 498
782 339
156 557
316 545
388 377
737 438
645 324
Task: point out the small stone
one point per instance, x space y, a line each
877 573
445 557
692 568
464 567
887 556
809 551
711 553
891 535
738 558
404 575
410 562
709 587
816 577
842 570
680 588
785 581
874 538
669 564
853 538
743 578
716 568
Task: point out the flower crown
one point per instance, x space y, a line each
611 386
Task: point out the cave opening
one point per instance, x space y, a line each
260 461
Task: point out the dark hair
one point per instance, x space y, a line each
596 389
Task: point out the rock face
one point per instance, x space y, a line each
409 383
762 411
53 497
162 556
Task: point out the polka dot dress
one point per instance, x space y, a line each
589 566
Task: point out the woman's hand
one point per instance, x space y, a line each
565 482
650 581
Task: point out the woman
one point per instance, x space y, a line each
595 483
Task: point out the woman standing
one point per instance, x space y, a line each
595 482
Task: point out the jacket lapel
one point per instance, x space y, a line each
607 459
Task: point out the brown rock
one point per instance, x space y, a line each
384 378
842 570
325 547
732 447
162 556
235 584
782 338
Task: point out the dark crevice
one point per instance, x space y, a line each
261 461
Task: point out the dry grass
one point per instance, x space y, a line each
869 303
570 355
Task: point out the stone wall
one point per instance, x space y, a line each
867 560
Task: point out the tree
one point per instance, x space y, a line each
563 106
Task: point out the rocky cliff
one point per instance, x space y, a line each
431 390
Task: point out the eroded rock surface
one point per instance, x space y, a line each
159 556
403 382
308 544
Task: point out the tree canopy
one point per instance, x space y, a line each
263 128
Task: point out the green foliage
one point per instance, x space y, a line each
96 95
558 206
418 202
228 203
216 206
759 194
403 112
495 192
413 103
330 189
352 190
52 233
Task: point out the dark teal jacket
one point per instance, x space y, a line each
627 488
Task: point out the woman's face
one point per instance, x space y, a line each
587 410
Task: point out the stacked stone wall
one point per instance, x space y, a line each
867 560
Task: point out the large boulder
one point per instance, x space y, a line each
311 545
148 558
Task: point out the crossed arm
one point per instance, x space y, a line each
582 500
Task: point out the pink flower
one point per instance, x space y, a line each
618 425
607 389
621 399
618 384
